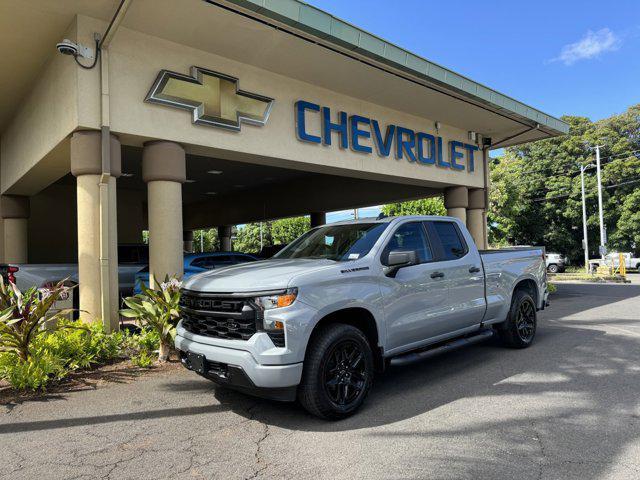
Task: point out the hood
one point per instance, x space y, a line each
254 276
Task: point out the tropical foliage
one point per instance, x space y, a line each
157 310
536 194
426 206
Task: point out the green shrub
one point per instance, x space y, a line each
552 288
144 359
31 374
80 348
26 316
157 310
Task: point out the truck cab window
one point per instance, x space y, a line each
452 243
409 236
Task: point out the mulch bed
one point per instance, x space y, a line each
118 372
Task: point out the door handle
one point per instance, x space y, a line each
437 275
474 270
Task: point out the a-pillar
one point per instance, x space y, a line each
224 235
97 225
187 240
15 215
318 218
476 216
164 171
456 200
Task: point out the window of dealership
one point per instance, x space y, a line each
203 114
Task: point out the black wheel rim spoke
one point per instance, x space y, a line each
526 321
345 373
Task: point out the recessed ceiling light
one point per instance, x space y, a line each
211 193
214 172
127 175
189 181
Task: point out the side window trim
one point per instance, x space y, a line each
441 253
429 244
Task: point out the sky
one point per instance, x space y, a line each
565 57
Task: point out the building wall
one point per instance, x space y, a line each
46 117
136 59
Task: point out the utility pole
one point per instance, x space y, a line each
585 240
355 214
602 234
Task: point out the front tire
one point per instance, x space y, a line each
519 330
338 371
553 268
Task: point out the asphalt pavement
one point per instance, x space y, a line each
566 408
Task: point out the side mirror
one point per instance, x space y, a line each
398 259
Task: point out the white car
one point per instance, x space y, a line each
556 262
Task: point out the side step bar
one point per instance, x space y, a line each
411 357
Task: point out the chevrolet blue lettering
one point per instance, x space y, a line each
363 134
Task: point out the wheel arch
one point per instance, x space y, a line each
530 286
360 318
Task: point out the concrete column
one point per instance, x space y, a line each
318 218
224 235
15 214
476 216
97 269
187 241
164 171
456 200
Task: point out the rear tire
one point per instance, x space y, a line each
338 371
553 268
519 330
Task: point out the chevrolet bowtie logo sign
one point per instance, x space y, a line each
214 98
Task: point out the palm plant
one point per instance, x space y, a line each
24 316
158 310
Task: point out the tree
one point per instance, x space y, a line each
286 230
535 196
209 242
247 238
426 206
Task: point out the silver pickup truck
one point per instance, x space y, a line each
346 300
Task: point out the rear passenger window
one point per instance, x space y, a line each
409 236
452 243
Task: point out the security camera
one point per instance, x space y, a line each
67 47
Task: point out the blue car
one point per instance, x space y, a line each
198 262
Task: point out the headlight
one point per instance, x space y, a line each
271 302
284 299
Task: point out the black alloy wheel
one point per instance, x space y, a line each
526 321
337 373
345 374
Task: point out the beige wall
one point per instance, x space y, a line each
136 59
45 118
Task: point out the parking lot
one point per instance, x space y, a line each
568 407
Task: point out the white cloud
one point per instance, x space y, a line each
592 45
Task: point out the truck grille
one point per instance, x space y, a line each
218 316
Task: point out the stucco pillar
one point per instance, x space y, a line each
456 200
318 218
164 171
97 270
224 235
476 216
15 215
187 241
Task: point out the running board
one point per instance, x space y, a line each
411 357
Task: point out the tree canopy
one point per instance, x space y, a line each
535 196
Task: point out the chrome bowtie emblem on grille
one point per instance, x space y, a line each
212 97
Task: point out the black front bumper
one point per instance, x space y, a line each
234 377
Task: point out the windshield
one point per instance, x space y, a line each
335 242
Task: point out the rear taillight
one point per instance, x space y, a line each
11 270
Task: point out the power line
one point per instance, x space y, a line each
633 180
